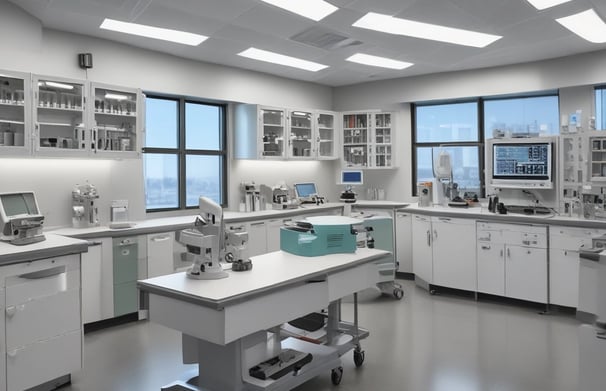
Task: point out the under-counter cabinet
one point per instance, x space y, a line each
160 260
453 251
422 258
15 118
40 330
512 260
257 238
404 241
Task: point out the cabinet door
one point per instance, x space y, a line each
257 238
404 241
526 273
273 233
15 116
160 254
356 129
326 136
422 258
60 124
272 132
491 268
300 135
454 255
381 150
563 277
114 116
91 283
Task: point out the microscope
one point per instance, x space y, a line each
208 243
84 210
446 191
282 199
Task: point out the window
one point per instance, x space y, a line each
452 127
184 155
600 107
458 128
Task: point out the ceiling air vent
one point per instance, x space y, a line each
324 38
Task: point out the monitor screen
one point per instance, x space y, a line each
18 204
351 177
305 189
530 161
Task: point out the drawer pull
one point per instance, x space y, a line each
53 271
12 353
161 238
11 311
485 247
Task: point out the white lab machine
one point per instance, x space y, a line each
20 218
350 178
307 193
119 214
84 208
442 172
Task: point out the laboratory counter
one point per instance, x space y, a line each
166 224
55 245
482 213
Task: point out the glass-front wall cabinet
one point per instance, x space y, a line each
273 125
59 115
326 137
355 140
301 134
114 122
382 140
14 118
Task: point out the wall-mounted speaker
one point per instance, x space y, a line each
85 60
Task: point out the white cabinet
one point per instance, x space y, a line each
60 127
15 116
41 322
277 133
273 232
92 270
422 258
160 254
115 120
404 241
453 250
512 260
257 238
367 140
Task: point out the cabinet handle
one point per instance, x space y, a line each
444 219
53 271
256 224
485 247
161 238
435 234
565 252
428 238
95 141
508 254
501 253
12 353
10 311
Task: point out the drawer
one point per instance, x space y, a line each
42 318
570 238
43 361
70 262
35 283
356 279
489 236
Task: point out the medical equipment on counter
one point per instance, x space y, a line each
252 197
442 173
320 235
425 193
119 214
84 210
307 193
236 249
348 195
20 218
204 241
282 198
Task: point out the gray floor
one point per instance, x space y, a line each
422 343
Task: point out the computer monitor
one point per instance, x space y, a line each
306 191
352 177
20 218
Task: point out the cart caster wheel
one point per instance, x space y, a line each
336 375
398 293
358 357
432 292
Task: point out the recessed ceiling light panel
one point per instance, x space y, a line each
163 34
311 9
587 25
377 61
544 4
281 59
391 25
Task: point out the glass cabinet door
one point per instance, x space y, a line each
355 140
59 115
14 99
114 120
301 139
326 136
382 140
272 137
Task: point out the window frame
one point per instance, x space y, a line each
182 152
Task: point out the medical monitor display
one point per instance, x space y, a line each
18 204
522 164
305 190
352 177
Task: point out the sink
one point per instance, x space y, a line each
528 210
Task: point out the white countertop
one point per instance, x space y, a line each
53 246
270 271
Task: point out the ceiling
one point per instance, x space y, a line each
235 25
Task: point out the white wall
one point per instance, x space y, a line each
573 76
28 47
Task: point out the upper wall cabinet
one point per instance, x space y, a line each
115 120
273 133
15 118
367 140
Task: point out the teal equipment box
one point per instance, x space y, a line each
320 235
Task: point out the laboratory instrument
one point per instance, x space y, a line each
236 249
320 235
204 241
348 195
252 197
307 193
349 178
424 191
445 190
84 208
282 199
20 218
119 214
